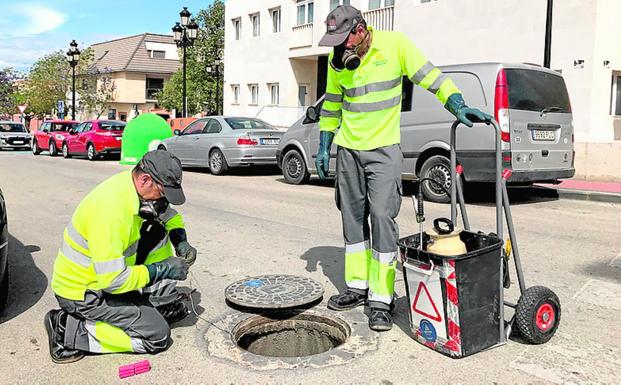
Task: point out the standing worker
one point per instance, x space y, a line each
363 100
112 276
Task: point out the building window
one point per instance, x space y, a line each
254 94
616 94
237 26
275 19
336 3
154 54
306 11
153 86
274 94
256 24
235 90
375 4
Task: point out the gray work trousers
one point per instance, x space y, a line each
368 186
89 322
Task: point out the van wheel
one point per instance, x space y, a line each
90 152
65 151
35 148
294 168
437 168
53 148
217 162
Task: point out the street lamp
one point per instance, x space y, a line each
73 56
216 70
184 35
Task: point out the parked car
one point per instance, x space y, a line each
4 254
530 103
94 138
14 135
50 136
220 142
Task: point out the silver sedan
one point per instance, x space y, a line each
220 142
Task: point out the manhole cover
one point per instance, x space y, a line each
274 292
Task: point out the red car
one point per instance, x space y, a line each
94 138
50 136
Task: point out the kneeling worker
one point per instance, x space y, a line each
112 276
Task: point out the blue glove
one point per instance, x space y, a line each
322 160
456 106
171 268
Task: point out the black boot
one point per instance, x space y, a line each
55 326
346 301
380 320
173 312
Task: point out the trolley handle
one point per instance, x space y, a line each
498 173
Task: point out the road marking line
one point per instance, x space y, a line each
581 289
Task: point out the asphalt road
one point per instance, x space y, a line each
252 223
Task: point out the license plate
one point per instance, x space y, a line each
18 142
543 135
119 138
269 141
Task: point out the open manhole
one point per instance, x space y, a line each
290 335
313 338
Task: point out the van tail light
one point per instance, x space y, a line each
501 105
246 141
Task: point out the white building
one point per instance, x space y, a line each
274 67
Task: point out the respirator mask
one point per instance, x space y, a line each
152 209
345 58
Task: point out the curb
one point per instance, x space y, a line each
584 195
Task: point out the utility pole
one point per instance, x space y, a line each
548 39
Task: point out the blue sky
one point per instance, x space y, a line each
29 28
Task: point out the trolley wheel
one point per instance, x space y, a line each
538 314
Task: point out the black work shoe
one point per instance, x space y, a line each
173 312
380 320
346 301
55 326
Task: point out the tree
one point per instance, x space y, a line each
201 85
8 91
97 91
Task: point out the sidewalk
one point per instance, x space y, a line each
587 190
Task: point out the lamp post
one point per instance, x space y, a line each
73 56
184 34
548 39
216 70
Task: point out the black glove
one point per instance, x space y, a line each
456 106
171 268
183 249
187 252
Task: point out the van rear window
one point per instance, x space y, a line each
536 90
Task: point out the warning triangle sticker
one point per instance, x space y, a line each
424 304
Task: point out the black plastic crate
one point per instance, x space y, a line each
454 301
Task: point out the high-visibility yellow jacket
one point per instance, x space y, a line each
366 103
99 244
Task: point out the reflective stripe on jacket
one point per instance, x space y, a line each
366 103
99 244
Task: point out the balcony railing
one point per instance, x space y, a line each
381 19
302 36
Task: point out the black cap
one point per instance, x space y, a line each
339 23
165 169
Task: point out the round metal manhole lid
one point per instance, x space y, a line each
276 291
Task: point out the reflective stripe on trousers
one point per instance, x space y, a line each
103 323
368 186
